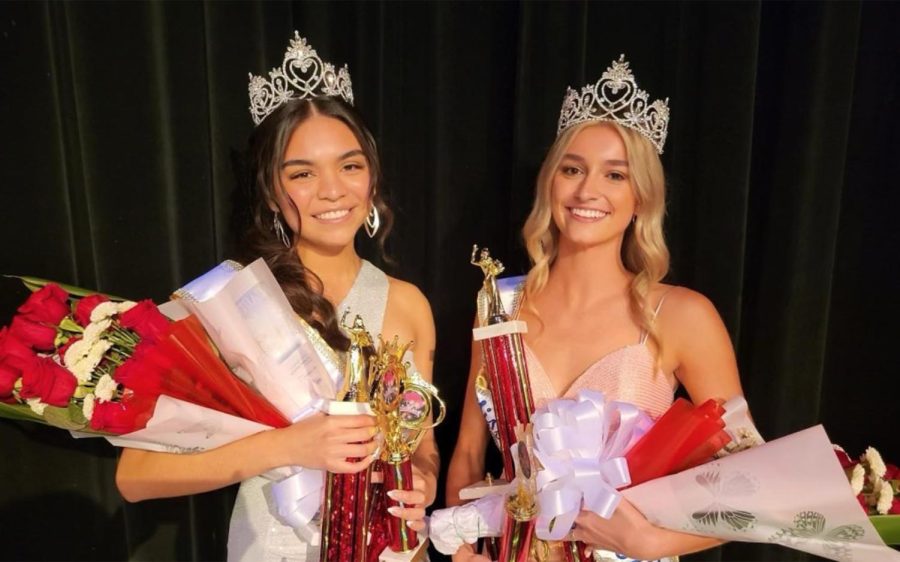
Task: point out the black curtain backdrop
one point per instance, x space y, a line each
120 123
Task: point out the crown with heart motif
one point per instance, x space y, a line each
617 98
303 75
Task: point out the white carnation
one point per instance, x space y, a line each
106 388
125 306
95 329
857 479
103 311
76 353
88 408
885 497
82 372
36 405
98 350
84 368
876 464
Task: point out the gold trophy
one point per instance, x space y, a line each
404 405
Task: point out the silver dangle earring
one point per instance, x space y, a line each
373 221
279 231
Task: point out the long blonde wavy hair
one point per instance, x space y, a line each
644 251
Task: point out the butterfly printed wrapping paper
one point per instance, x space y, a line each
790 491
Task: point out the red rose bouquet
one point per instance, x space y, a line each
89 363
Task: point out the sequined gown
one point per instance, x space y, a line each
256 534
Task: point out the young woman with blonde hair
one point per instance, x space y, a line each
598 314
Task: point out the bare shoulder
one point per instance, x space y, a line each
408 312
683 306
408 316
408 298
689 319
697 346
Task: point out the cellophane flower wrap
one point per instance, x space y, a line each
261 338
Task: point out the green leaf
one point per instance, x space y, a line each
888 527
70 325
36 283
19 412
65 418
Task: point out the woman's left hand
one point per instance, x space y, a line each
627 532
414 501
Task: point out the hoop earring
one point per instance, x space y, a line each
373 221
279 231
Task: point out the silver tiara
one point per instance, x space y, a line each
302 75
617 98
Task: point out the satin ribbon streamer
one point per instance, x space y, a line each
299 497
580 444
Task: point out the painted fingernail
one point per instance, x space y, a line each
411 524
393 495
377 452
394 510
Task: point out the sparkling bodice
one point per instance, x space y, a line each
628 374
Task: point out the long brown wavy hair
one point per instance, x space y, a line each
644 251
263 161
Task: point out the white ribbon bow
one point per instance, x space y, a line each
581 444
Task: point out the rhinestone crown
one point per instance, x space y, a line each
617 98
302 75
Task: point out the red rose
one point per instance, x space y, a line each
85 306
10 371
11 346
48 305
891 472
43 378
139 374
145 319
35 335
123 416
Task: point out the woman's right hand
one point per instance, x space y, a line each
328 442
466 553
